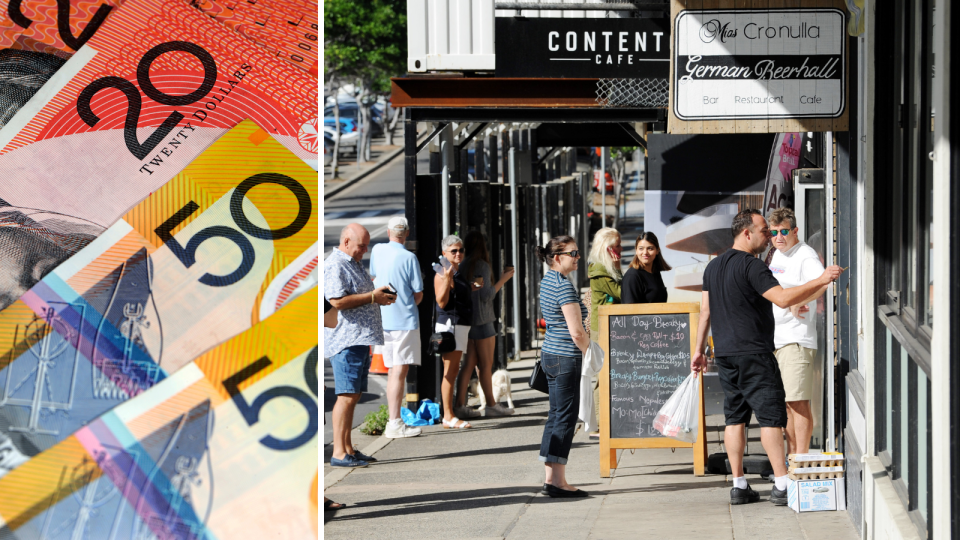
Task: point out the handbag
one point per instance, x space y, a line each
538 379
441 343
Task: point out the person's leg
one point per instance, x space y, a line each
557 475
484 351
800 415
396 379
789 431
772 440
733 441
551 366
451 367
347 366
567 390
342 424
463 380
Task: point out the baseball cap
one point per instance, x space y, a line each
398 223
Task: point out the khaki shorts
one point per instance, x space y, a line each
796 369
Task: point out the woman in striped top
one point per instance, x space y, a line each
563 348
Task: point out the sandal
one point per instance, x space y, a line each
331 506
456 423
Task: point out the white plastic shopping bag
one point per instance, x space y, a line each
679 416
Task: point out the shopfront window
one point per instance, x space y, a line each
905 286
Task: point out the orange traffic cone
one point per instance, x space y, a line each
376 365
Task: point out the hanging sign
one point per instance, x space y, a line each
582 48
759 63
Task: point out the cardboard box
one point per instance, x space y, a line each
816 495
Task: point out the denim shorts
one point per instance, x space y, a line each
350 368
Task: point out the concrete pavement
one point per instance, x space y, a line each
484 483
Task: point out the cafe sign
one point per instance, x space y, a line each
759 63
582 48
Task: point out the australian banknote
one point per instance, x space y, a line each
226 448
157 84
218 248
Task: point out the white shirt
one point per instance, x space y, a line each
797 266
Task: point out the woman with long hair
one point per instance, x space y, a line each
482 336
454 314
563 346
605 278
604 272
642 284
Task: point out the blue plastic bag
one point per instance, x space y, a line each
427 415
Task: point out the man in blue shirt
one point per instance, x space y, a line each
347 286
392 265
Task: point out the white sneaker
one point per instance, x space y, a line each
398 430
498 410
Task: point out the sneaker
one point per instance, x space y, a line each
498 410
778 496
744 496
348 461
400 430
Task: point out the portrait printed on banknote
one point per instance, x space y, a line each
33 243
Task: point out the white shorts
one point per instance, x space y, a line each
459 332
400 348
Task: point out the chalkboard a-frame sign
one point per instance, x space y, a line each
648 349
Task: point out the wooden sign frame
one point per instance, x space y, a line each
608 446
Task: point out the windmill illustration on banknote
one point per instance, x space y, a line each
93 507
43 379
129 346
160 487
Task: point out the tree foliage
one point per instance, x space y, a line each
365 41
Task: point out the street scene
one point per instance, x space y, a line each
667 269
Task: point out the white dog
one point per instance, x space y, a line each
501 389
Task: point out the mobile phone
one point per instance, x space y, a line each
392 290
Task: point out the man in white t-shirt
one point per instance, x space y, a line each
795 337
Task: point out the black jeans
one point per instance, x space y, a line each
563 378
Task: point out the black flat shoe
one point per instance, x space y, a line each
544 489
559 493
743 496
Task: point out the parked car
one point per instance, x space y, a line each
351 110
348 131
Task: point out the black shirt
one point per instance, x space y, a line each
742 318
642 287
459 306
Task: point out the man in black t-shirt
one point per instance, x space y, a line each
741 291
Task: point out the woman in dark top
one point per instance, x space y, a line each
642 283
454 314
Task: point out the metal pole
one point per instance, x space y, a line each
445 152
512 172
830 299
603 186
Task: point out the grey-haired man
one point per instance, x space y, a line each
392 265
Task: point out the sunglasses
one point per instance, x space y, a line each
455 251
575 253
784 232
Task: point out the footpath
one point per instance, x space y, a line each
484 483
